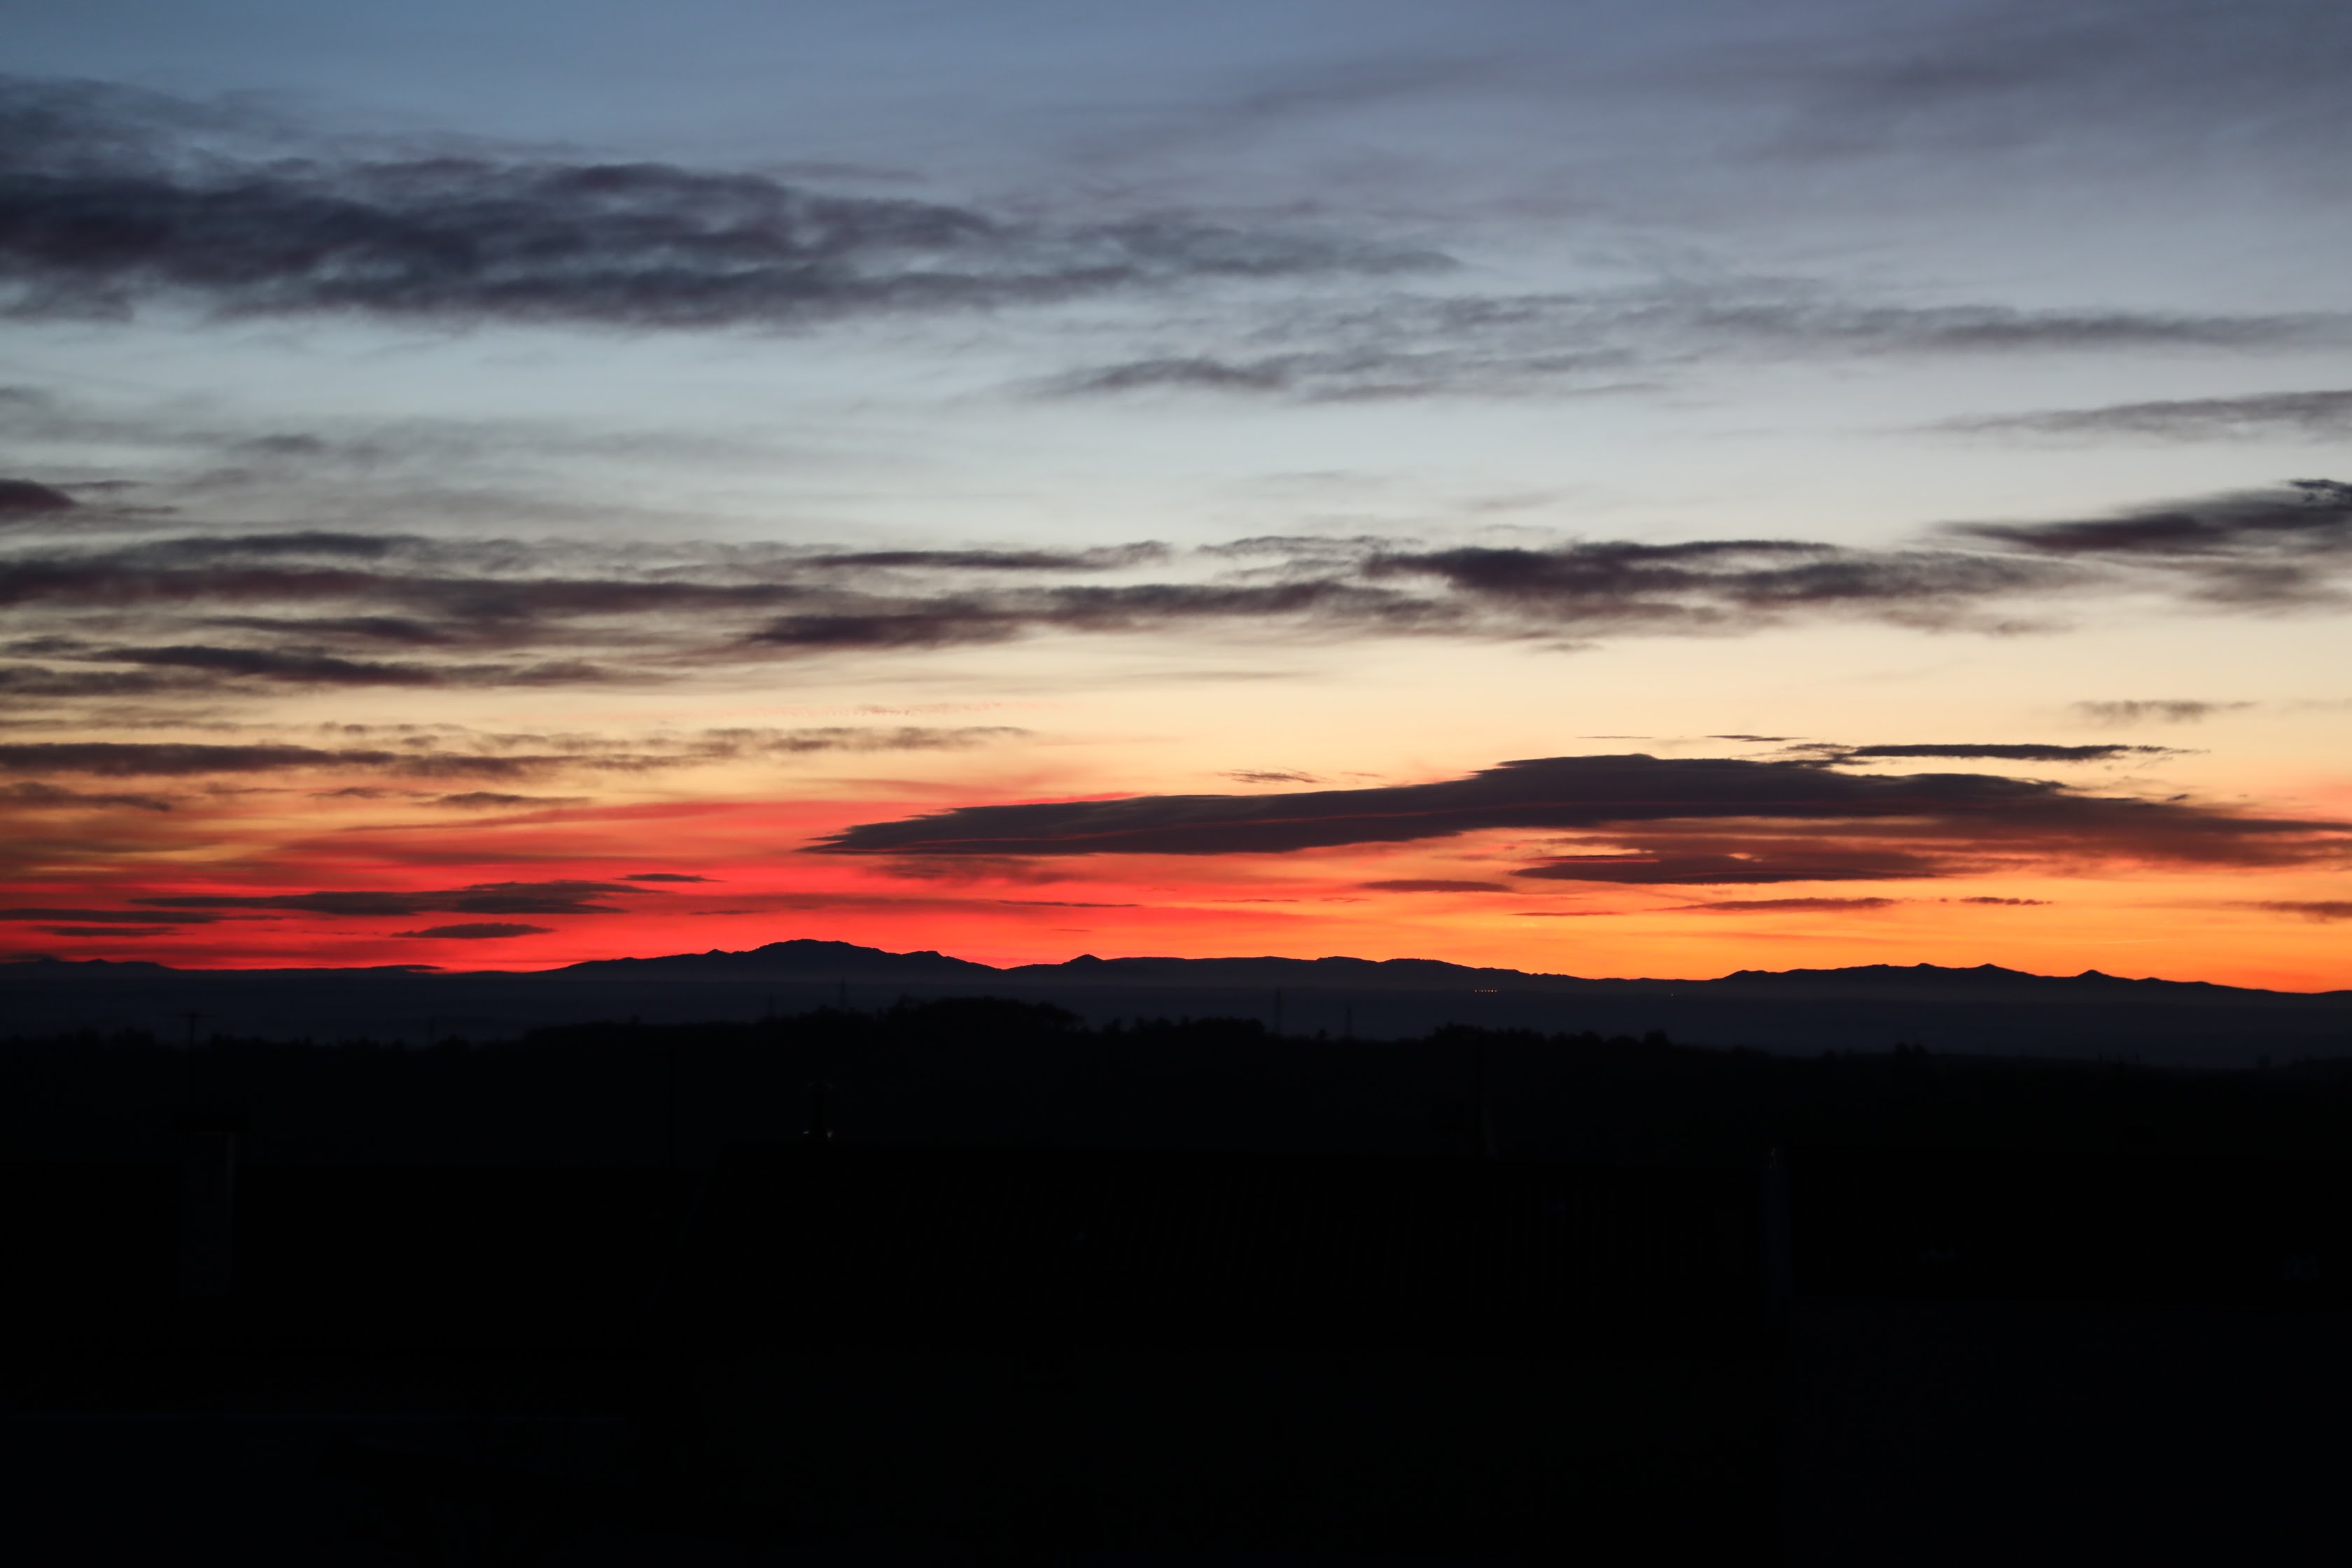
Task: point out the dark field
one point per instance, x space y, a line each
969 1278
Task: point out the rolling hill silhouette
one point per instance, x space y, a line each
1986 1010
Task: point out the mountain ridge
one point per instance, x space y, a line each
817 959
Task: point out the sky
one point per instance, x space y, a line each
1600 489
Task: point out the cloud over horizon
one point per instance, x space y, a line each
1640 819
474 931
548 898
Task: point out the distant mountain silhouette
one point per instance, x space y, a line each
820 960
801 957
2089 985
1985 1010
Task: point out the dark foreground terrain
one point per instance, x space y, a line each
968 1279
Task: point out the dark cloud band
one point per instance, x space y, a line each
560 898
1640 819
136 759
475 931
1997 752
2294 415
100 212
251 615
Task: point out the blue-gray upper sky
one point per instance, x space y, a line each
1820 239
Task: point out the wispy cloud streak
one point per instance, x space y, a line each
2294 415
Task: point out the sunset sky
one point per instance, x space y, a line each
1608 489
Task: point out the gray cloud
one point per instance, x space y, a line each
475 931
36 795
2005 753
113 758
98 215
2300 415
117 931
1427 345
116 197
426 759
1195 371
313 668
24 498
1104 559
111 917
555 898
37 684
1714 585
2310 909
1434 885
1787 906
1677 855
2162 88
956 619
2313 514
1639 819
2256 549
232 617
906 738
2155 710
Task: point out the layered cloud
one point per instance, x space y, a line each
2309 517
1991 752
246 615
474 931
39 795
1645 820
115 201
110 917
2300 415
1790 906
25 498
551 898
2256 549
1636 339
431 756
2153 709
108 204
